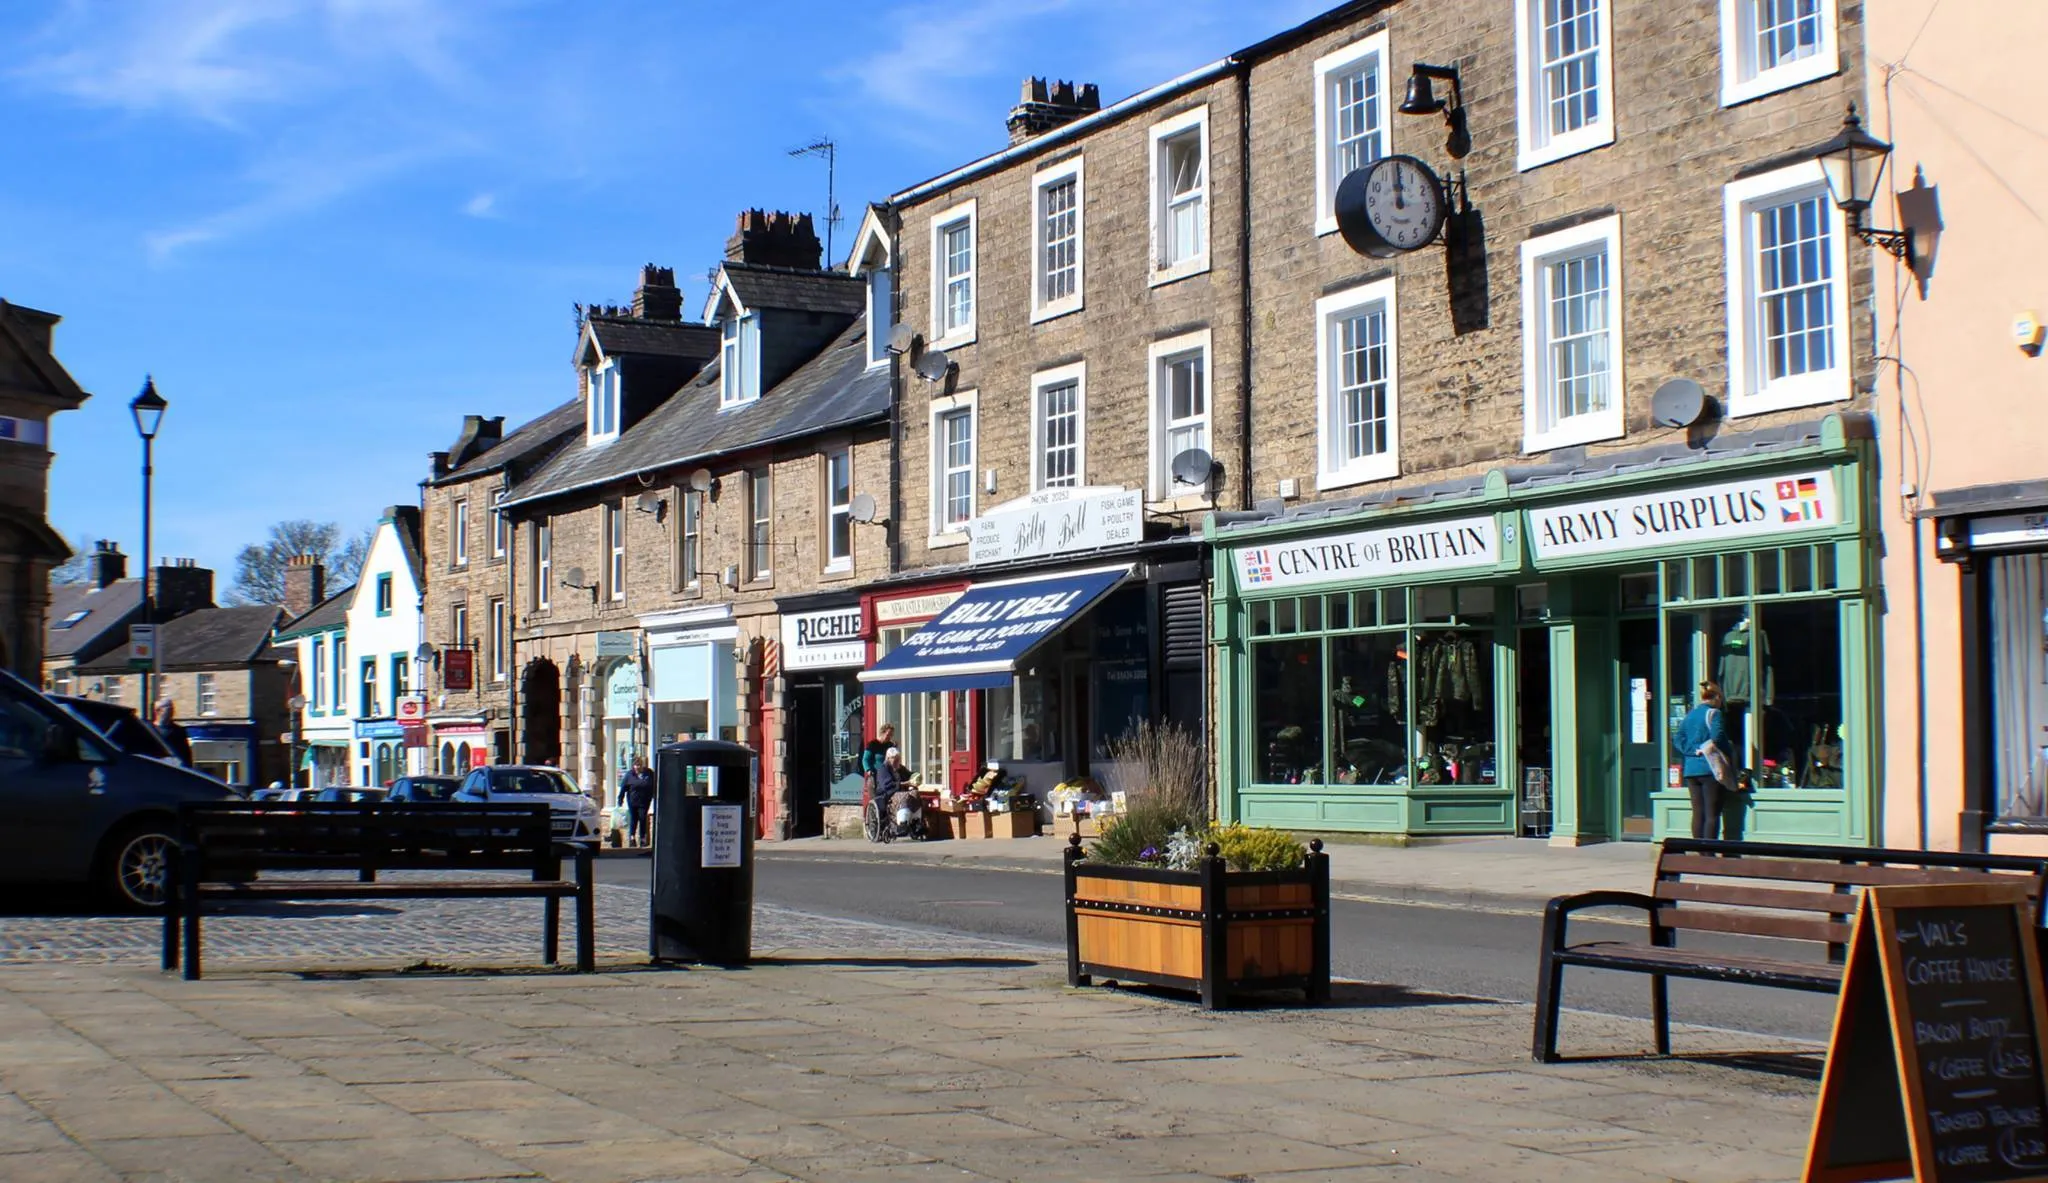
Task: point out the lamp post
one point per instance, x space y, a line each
1852 162
148 410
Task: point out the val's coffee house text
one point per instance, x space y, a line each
1515 661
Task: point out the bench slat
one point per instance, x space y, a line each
352 890
1736 895
1816 871
1652 959
1752 924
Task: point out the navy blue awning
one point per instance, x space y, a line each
977 643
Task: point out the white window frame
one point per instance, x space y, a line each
501 527
1536 145
1042 381
1742 81
1748 392
316 648
501 632
458 624
544 563
690 541
739 359
1539 255
1043 180
1158 455
836 509
341 698
1371 54
881 297
1197 120
602 410
460 542
1330 474
206 694
760 555
942 532
615 551
940 223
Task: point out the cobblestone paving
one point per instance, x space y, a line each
447 931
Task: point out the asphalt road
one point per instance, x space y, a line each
1437 950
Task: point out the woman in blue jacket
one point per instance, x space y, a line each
1705 724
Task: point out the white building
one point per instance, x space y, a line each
324 736
385 633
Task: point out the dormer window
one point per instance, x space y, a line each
603 410
739 360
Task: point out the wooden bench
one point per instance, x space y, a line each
225 846
1804 896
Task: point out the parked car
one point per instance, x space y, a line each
129 731
575 814
81 809
420 790
349 794
278 794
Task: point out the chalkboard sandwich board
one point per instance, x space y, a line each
1935 1071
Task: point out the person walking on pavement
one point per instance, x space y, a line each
1702 739
873 755
638 785
173 735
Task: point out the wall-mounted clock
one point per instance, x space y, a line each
1392 206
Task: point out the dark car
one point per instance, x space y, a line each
80 809
129 731
350 795
422 790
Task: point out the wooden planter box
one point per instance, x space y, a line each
1213 931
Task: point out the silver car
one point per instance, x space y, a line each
575 814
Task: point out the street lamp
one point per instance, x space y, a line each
1853 161
148 410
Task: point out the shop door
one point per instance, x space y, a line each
1642 745
963 755
808 782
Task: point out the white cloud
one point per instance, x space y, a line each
483 205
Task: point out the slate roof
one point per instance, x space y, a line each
653 338
106 608
331 612
760 286
832 390
17 323
528 438
210 638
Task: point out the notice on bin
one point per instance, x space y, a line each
722 835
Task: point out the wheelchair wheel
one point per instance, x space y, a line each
872 825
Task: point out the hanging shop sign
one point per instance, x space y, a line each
458 669
615 644
1758 508
622 692
823 640
1057 521
1417 549
379 729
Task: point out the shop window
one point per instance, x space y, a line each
1779 667
1288 711
1532 601
1434 605
1393 608
1024 721
1365 609
2018 640
1735 575
1369 724
1339 609
1639 592
1450 677
1261 618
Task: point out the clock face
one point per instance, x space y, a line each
1396 204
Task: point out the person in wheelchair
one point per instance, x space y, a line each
897 810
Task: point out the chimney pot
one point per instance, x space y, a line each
1050 104
109 565
305 584
657 297
775 239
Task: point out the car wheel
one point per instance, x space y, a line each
138 872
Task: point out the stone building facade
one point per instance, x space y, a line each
34 387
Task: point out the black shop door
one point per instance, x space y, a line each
809 779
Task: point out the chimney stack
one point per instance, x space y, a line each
657 297
305 584
479 435
1045 105
182 586
109 565
776 240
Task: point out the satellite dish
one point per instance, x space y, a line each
1678 403
700 481
573 577
647 502
861 508
1192 467
901 338
933 365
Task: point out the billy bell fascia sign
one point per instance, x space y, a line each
977 641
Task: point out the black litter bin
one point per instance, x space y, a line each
702 905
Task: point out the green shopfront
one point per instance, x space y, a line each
1509 658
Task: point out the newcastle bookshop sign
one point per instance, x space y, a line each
1761 508
1418 549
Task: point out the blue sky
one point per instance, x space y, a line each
332 227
